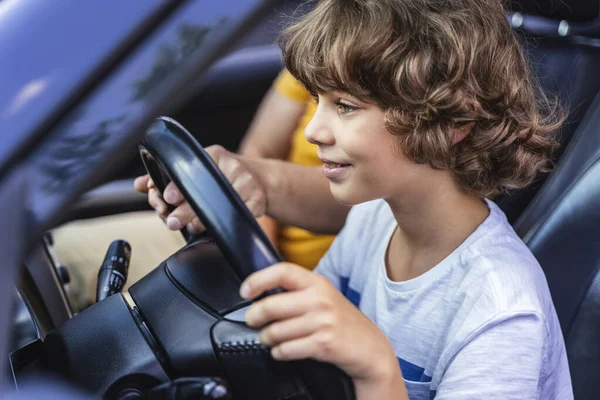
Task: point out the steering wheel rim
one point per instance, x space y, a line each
170 153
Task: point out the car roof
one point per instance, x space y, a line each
72 120
57 50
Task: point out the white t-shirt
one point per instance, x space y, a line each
479 325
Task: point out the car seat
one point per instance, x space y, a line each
561 40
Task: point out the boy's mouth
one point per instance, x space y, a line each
335 171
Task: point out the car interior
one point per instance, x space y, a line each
558 218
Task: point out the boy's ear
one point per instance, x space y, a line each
460 133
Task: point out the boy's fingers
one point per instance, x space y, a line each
281 275
315 346
277 307
290 329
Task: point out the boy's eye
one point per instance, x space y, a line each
344 109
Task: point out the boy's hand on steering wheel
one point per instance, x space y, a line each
312 319
245 184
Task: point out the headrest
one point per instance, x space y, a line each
568 10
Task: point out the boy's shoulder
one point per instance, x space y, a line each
501 273
492 268
497 281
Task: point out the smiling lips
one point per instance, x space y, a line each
335 171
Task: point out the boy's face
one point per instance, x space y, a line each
361 157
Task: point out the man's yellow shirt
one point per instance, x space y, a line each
297 245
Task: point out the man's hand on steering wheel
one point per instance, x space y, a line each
250 190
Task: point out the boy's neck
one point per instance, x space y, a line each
430 227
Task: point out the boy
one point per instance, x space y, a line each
425 109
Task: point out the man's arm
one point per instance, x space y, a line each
293 194
298 195
270 136
270 133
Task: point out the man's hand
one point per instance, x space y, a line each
245 184
314 320
141 183
296 195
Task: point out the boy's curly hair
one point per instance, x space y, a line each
434 66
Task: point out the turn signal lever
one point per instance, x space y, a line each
113 272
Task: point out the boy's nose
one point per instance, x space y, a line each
317 131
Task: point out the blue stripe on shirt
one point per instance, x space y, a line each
412 372
347 291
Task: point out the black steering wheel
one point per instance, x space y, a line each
183 325
170 153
